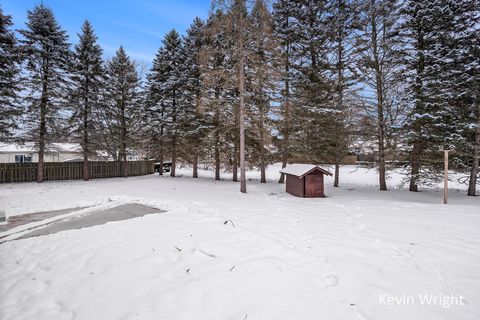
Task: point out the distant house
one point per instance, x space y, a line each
57 152
367 151
133 155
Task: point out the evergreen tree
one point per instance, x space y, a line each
415 37
170 92
122 103
154 115
10 86
285 33
470 82
460 82
377 66
342 23
239 25
440 53
217 69
419 36
194 126
262 78
233 17
87 79
313 86
47 55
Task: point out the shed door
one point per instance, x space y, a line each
314 186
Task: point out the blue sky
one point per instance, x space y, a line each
138 25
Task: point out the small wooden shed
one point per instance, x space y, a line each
305 180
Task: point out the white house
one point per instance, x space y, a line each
57 152
133 155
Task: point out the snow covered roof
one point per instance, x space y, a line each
300 169
30 147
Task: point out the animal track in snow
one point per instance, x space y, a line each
331 280
392 250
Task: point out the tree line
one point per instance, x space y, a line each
260 82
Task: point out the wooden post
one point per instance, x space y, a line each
445 181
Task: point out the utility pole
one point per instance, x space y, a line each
445 181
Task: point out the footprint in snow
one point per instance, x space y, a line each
392 250
332 280
357 312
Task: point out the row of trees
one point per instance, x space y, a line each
51 93
295 81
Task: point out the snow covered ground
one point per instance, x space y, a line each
218 254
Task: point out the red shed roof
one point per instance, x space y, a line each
300 169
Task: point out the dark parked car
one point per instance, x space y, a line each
166 166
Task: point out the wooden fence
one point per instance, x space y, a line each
27 172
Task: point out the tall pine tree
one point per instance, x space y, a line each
10 108
170 92
217 68
87 81
285 32
461 79
194 126
154 112
46 49
342 23
313 86
377 65
262 78
122 103
440 51
470 81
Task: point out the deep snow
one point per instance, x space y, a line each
220 254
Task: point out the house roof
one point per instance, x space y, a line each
30 147
300 169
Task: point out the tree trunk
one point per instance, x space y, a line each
379 93
86 175
162 128
174 158
263 176
42 129
174 138
124 159
241 111
339 133
41 152
381 149
338 155
125 165
160 170
124 141
217 163
418 144
472 185
195 164
415 167
217 134
337 173
286 112
235 162
282 175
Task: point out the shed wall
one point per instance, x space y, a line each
314 185
295 185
